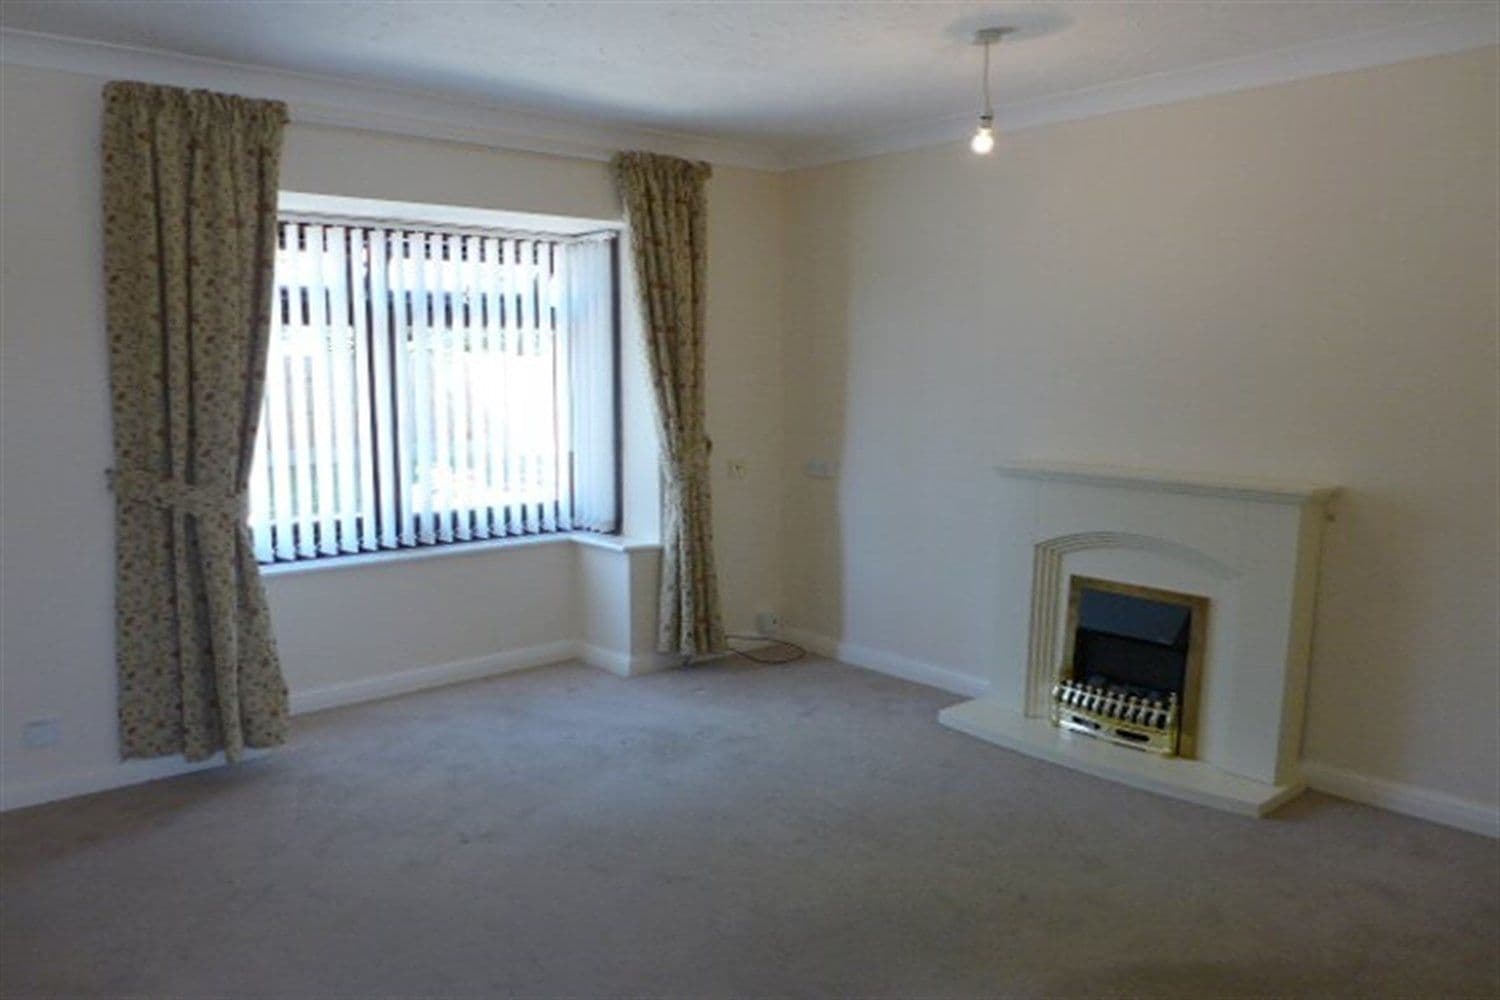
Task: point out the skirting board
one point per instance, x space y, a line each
454 672
891 664
101 779
636 664
623 664
1422 803
133 772
1436 807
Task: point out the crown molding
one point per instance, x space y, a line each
324 100
1351 52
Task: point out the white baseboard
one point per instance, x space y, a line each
101 779
623 664
437 675
1438 807
893 664
636 664
133 772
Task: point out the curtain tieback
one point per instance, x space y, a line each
177 495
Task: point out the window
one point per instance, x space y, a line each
434 385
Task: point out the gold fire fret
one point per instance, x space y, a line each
1134 722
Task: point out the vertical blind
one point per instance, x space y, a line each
428 386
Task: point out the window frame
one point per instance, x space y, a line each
613 234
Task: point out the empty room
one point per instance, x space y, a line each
749 499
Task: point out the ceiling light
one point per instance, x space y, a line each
983 139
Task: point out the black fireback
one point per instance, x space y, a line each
1131 644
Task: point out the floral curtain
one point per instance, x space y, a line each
190 180
665 202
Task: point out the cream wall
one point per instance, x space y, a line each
1297 281
1292 281
746 411
745 236
351 626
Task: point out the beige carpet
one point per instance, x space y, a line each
734 830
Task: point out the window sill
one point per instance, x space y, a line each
615 543
364 560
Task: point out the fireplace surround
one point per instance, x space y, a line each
1245 550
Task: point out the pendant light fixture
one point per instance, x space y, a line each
983 139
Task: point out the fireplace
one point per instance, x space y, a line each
1130 669
1153 611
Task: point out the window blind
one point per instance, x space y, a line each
428 386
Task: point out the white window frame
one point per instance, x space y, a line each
455 223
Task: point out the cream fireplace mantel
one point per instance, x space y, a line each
1250 546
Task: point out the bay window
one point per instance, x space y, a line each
433 384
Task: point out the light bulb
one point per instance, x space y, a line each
983 140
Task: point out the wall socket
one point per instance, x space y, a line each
736 468
40 733
821 468
767 623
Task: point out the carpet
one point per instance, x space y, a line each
725 831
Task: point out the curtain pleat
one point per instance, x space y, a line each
666 205
190 182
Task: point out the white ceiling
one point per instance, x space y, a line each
779 74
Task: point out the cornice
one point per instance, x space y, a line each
323 100
1350 52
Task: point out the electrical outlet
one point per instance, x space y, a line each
821 468
40 733
736 467
768 623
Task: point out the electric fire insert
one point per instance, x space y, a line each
1131 665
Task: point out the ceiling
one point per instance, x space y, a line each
781 74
